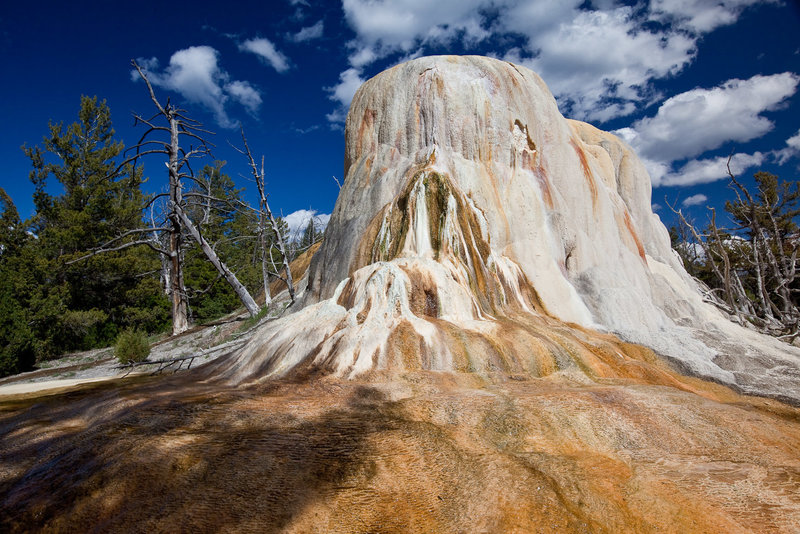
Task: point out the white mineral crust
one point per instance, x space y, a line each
463 178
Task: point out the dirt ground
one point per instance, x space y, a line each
422 452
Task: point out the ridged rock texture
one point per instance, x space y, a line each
478 230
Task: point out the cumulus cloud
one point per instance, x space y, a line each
362 57
297 222
694 200
195 74
597 63
693 122
266 52
401 25
794 141
342 93
349 82
791 150
308 33
697 16
703 171
245 93
599 60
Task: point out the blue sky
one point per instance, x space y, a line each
685 82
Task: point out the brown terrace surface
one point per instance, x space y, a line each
417 452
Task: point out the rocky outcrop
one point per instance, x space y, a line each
478 230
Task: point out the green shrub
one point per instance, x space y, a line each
132 346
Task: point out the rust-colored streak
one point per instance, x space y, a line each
365 128
368 250
587 172
347 296
634 235
367 173
299 267
544 184
485 148
524 128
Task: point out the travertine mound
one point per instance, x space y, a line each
478 230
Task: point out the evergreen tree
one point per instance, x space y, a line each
214 201
16 337
752 269
12 232
309 235
84 304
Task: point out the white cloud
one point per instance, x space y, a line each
303 131
194 72
297 222
794 141
147 65
599 61
791 150
700 16
342 93
267 52
245 93
349 82
362 57
694 200
399 25
308 33
704 171
690 123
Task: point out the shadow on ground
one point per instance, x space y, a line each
432 452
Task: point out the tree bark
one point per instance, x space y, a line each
180 308
264 271
264 211
237 286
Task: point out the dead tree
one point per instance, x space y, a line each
181 126
757 274
177 223
774 255
265 217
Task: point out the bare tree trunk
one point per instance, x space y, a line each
787 314
281 247
237 286
264 272
164 274
180 309
733 300
264 210
763 297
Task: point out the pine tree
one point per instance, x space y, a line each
16 337
215 203
309 235
84 304
752 268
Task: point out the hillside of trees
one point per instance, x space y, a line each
750 267
97 258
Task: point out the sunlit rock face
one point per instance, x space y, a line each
478 230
